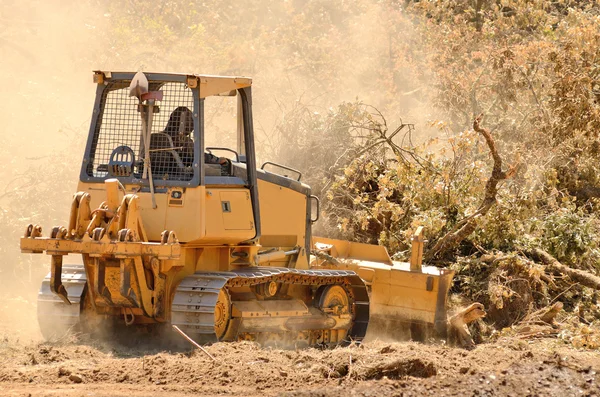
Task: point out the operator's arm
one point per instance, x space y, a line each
210 158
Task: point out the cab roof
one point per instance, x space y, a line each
208 85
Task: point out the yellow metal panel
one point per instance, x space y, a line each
101 248
401 278
283 220
416 257
209 85
213 259
397 292
283 215
216 233
248 309
199 220
380 291
153 219
405 289
413 298
236 210
366 274
402 313
188 220
276 308
215 85
359 251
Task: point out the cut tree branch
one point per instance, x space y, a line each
554 266
465 227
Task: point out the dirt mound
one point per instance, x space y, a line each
361 364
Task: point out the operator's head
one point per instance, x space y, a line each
181 122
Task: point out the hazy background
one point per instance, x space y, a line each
529 65
308 54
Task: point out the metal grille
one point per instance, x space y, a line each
172 137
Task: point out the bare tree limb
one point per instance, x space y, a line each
465 227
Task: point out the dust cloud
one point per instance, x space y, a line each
47 49
317 56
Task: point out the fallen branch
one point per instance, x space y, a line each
465 227
453 238
537 334
176 328
539 324
546 315
494 259
349 368
580 276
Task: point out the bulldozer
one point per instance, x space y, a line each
168 233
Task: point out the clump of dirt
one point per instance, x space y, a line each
362 364
46 355
398 369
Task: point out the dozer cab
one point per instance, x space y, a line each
170 234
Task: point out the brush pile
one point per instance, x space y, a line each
505 178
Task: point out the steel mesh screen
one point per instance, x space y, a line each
171 141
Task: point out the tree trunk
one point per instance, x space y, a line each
582 277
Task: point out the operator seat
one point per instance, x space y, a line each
164 159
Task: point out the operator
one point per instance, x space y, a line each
210 158
179 127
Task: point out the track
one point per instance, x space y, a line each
286 318
200 295
56 317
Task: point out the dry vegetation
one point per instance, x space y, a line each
375 102
509 198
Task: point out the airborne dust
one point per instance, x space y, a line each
304 56
49 49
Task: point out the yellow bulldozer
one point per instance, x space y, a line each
169 233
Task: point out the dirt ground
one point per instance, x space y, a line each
545 367
78 366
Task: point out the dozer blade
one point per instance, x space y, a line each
404 297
